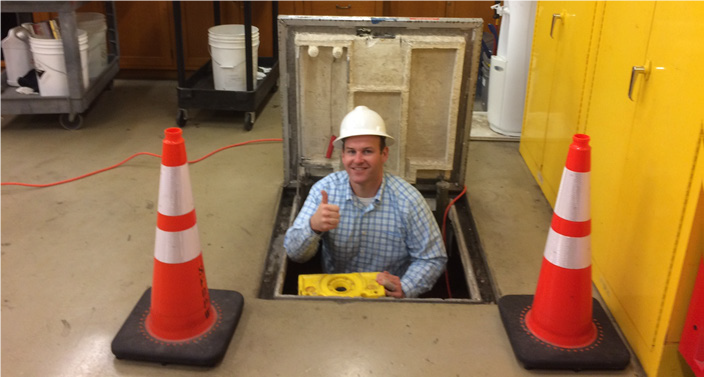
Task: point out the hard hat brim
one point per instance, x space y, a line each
389 140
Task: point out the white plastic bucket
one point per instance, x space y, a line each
227 50
18 58
94 24
51 66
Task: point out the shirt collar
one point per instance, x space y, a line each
349 194
380 192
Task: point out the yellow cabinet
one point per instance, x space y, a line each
622 43
562 48
629 78
644 152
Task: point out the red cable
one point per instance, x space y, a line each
232 146
444 221
79 177
129 158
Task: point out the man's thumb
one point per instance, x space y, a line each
325 197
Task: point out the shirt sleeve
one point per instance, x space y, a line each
301 242
427 250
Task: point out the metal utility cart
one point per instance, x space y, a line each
79 98
198 90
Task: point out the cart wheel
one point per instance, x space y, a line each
249 120
71 122
182 117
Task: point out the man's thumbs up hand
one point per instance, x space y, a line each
326 217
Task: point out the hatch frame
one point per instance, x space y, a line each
298 178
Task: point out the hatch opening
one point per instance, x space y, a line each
467 274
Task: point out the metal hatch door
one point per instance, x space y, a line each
418 74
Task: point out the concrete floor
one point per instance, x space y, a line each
77 257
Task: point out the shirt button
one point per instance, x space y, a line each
364 233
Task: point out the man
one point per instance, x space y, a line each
369 220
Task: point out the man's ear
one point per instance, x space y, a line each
385 154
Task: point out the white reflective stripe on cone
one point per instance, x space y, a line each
568 252
175 194
573 197
177 247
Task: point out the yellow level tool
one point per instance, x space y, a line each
360 284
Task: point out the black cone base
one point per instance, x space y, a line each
135 343
607 352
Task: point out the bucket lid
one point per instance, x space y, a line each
230 30
35 40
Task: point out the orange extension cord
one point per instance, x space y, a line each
444 220
129 158
444 239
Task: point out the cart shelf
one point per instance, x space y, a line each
79 98
198 91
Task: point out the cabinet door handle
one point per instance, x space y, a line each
348 6
555 17
637 69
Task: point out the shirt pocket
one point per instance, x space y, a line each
390 241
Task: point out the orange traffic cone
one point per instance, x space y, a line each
178 320
562 326
562 306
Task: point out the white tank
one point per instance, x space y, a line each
509 68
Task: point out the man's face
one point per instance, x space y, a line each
363 160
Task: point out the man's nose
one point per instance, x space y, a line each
358 158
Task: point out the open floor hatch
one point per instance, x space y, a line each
419 75
468 276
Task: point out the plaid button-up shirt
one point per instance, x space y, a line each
396 232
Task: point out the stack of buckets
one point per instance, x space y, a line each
227 50
94 24
49 62
48 55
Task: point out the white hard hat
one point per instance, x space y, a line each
362 121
